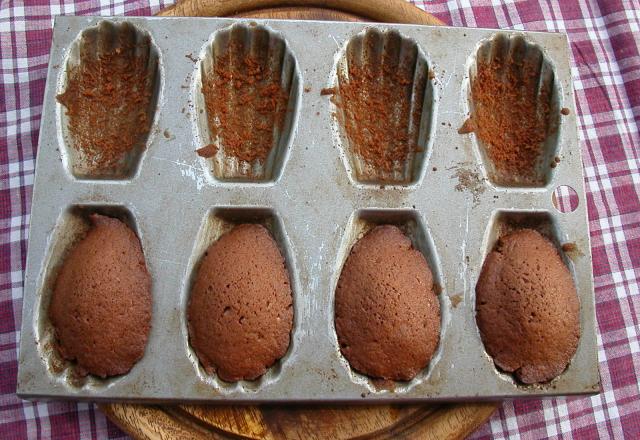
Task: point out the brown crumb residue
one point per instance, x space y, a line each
191 57
381 106
455 300
56 362
108 101
469 180
513 116
467 127
571 249
565 111
383 384
167 134
307 89
245 101
432 74
207 151
327 91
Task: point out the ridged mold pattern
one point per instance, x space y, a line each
107 97
246 94
514 111
384 101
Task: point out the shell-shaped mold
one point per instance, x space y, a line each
514 111
384 107
108 95
216 223
385 313
70 228
246 95
527 307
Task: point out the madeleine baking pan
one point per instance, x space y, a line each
315 196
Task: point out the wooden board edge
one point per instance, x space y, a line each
390 11
150 422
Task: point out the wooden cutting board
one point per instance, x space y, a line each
450 421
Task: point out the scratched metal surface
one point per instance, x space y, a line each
316 210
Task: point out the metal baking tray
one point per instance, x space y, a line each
316 208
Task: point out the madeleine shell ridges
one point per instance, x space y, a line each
111 85
384 101
248 92
513 99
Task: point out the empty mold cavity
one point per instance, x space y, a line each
216 223
504 222
514 111
411 224
107 98
246 94
384 107
71 227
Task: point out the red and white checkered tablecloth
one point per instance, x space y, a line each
605 41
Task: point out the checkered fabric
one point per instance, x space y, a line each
604 38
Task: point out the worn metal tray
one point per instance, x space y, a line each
315 206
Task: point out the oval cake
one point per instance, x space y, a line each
387 314
240 312
527 307
101 303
